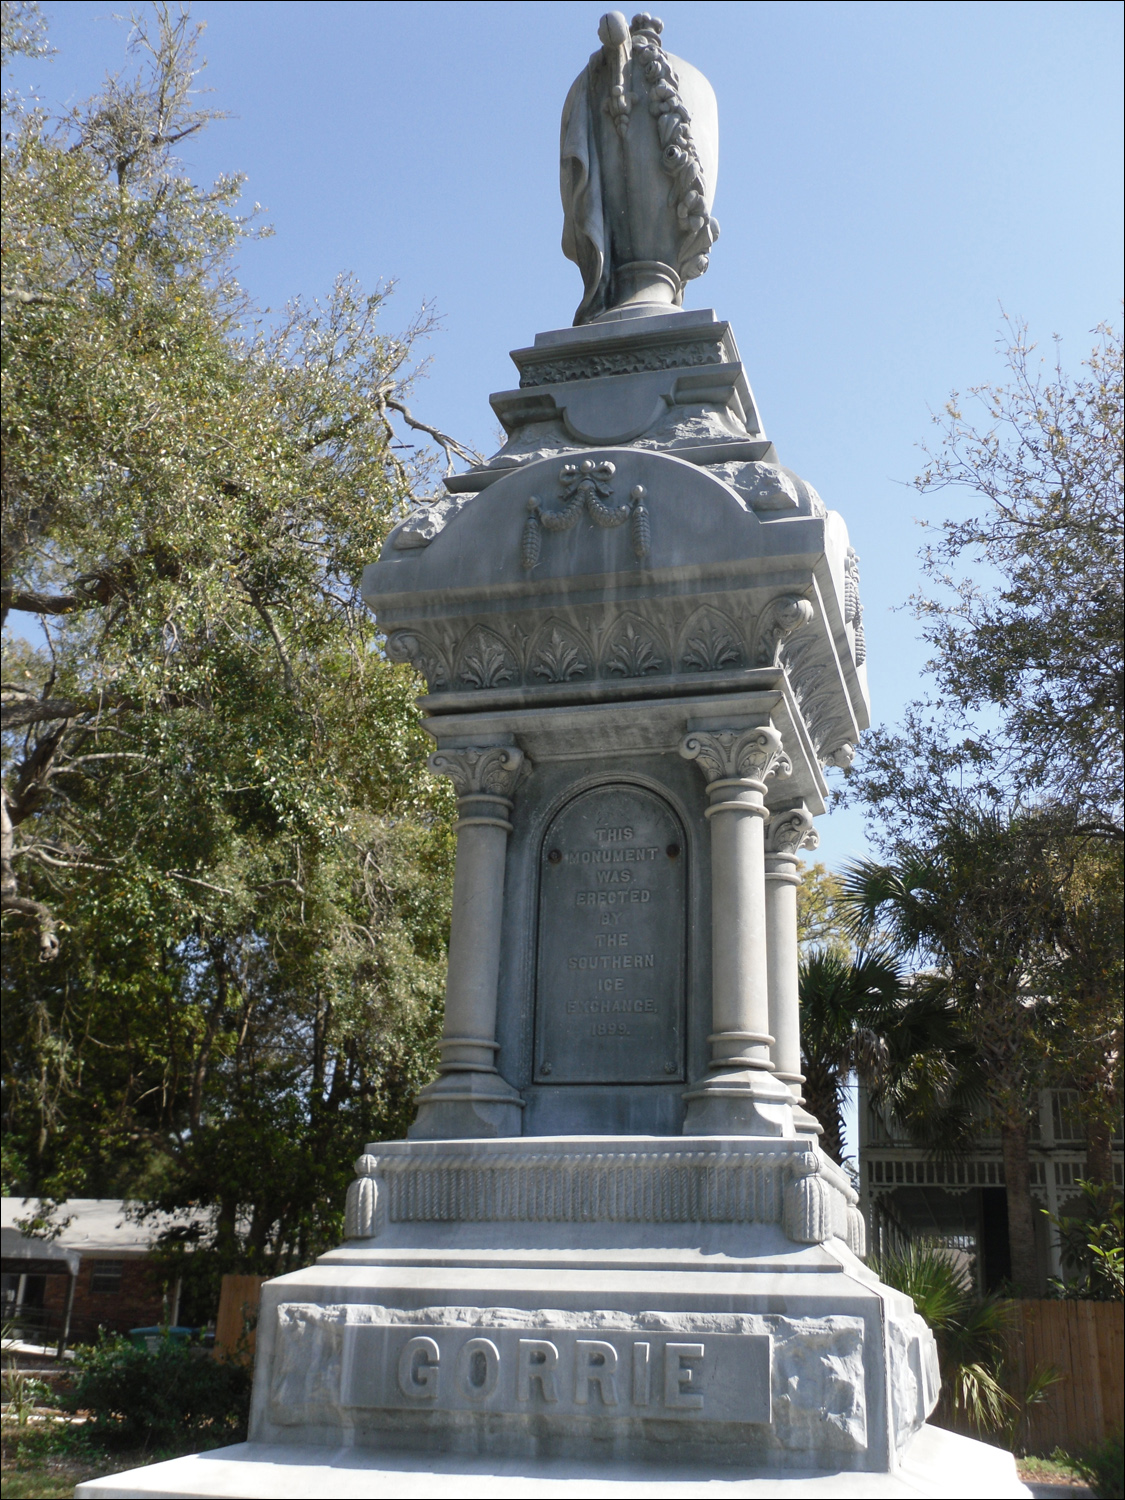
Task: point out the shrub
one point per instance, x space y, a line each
150 1398
969 1330
1103 1467
1092 1246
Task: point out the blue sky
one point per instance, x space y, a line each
891 176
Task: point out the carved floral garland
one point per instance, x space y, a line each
680 159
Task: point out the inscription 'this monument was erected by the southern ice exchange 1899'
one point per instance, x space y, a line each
610 993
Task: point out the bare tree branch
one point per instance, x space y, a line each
450 446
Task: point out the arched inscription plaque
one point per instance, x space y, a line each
612 916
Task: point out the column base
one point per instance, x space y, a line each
806 1124
748 1102
467 1106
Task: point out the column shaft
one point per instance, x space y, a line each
782 955
789 829
468 1038
739 980
738 1095
469 1097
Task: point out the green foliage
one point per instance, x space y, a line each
147 1398
1028 670
22 1391
861 1014
821 923
218 826
1038 1390
22 30
1093 1246
846 1006
962 902
1103 1467
1045 646
1019 922
998 804
970 1333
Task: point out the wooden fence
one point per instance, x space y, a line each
236 1324
1085 1342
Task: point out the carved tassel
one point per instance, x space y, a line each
532 535
640 527
360 1222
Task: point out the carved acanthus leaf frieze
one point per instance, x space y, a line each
560 655
632 652
853 608
410 646
485 660
653 637
737 754
815 680
709 643
490 770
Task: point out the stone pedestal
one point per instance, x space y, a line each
589 1316
570 1297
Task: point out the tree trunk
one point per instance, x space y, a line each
226 1236
1021 1211
1099 1151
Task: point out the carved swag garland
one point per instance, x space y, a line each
585 485
680 161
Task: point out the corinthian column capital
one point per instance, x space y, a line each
737 754
476 771
789 830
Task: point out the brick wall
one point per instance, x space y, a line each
137 1303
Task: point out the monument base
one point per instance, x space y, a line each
585 1297
508 1311
937 1463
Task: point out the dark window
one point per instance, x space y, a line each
106 1276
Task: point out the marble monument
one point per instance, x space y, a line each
611 1236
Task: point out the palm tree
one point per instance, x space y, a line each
971 1334
865 1015
979 903
847 1005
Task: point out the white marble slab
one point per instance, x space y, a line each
938 1464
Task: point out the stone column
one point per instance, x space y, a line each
469 1098
739 1094
790 828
